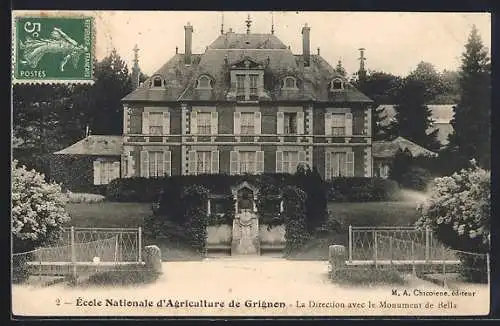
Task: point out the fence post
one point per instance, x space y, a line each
139 250
427 240
73 255
120 246
375 247
350 243
444 269
488 268
413 257
390 248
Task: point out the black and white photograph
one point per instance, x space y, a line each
231 163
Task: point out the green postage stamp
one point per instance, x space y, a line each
53 49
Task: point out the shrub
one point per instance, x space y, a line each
295 217
458 210
416 178
194 203
79 197
38 210
360 189
366 276
140 190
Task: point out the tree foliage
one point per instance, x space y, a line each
471 116
38 210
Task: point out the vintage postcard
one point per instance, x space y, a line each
250 163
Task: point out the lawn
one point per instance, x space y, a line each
112 214
402 213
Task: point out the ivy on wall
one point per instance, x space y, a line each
194 203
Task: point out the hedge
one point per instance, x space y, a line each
360 189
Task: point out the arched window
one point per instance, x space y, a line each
290 83
204 82
337 84
157 81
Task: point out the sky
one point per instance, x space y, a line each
394 42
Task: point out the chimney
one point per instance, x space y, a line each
188 31
306 46
362 71
136 71
318 51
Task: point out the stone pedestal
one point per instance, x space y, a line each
152 258
245 234
337 256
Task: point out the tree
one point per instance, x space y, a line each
382 88
413 116
102 100
38 210
471 116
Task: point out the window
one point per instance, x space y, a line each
247 123
248 162
338 124
240 86
290 83
339 164
156 164
337 84
204 82
290 162
204 123
157 81
290 123
155 123
253 87
203 160
105 171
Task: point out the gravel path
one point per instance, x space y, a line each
254 283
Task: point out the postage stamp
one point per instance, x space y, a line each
52 49
223 164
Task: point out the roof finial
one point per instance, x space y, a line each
272 22
249 23
222 23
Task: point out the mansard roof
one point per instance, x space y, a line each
265 50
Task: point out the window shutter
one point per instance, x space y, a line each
234 162
130 163
194 123
328 165
215 162
237 119
280 118
302 158
214 128
192 162
97 172
116 171
328 124
260 162
348 124
258 125
144 164
145 123
300 123
167 163
279 162
350 164
166 123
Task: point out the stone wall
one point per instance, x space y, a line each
272 237
220 235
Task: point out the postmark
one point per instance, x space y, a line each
53 49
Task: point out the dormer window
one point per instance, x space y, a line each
204 82
290 83
337 84
157 81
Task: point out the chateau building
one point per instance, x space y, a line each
246 105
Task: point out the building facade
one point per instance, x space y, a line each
246 105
